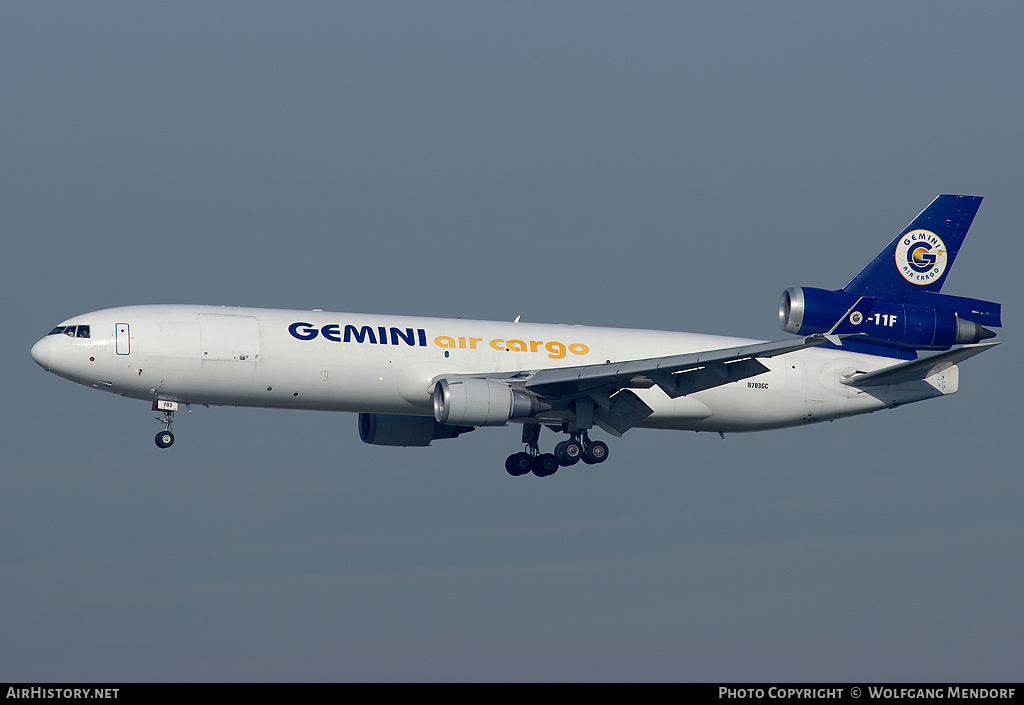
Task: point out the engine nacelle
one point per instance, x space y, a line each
393 430
482 402
806 310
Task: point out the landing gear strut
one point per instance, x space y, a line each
569 452
578 447
595 452
531 460
165 439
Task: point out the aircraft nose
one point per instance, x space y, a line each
41 353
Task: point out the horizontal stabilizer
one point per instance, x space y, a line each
916 369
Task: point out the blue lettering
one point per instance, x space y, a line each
409 336
412 337
360 335
308 332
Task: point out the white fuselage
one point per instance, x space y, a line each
389 364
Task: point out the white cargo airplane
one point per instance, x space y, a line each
414 380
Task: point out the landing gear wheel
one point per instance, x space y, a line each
596 452
165 439
545 465
518 464
559 448
572 451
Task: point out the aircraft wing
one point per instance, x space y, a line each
606 388
916 369
677 375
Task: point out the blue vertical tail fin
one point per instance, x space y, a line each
894 306
920 257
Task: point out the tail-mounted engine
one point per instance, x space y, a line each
922 321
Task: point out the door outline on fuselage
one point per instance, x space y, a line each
122 339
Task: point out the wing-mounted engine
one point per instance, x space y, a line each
482 402
393 430
921 321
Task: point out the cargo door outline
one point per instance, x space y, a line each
227 338
230 350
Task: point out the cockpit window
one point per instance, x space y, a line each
71 331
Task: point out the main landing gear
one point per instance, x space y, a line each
165 439
578 447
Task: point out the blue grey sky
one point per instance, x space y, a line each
650 165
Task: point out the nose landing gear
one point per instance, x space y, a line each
165 439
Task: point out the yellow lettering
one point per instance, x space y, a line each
498 344
473 342
516 345
462 342
534 344
556 349
578 349
443 341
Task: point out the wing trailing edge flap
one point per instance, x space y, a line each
677 375
713 375
916 369
618 413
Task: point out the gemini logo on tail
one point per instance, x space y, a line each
921 257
